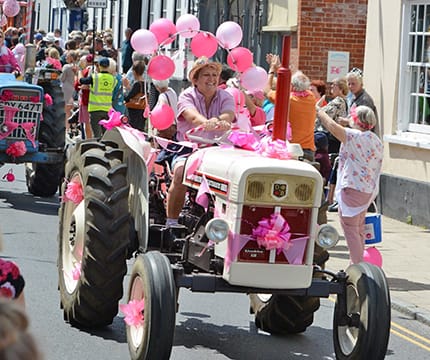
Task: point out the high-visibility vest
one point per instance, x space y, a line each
101 92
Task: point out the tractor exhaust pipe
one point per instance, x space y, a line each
281 116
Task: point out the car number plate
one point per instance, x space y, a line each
25 106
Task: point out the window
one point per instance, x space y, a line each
414 107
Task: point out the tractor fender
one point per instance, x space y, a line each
137 154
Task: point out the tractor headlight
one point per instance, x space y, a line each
327 236
217 230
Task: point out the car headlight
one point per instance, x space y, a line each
327 236
217 230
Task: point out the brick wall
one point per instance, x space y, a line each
330 25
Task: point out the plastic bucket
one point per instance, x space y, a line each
373 229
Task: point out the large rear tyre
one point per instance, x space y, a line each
283 314
93 235
152 280
44 179
366 334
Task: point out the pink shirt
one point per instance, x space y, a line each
8 61
191 98
259 117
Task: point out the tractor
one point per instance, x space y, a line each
255 234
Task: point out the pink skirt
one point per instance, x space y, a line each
84 115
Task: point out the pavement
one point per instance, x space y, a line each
405 251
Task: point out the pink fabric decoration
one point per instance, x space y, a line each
9 113
134 312
202 198
34 99
16 149
195 164
9 176
6 95
115 119
146 112
74 192
48 100
76 272
244 140
276 149
28 127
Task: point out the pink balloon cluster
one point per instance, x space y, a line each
228 35
11 8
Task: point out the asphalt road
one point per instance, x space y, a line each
208 326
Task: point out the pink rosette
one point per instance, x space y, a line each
133 312
16 149
74 192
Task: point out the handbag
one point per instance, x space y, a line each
138 101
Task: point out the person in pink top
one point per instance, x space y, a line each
254 102
360 163
8 63
202 104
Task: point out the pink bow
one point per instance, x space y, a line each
244 140
115 119
74 192
273 233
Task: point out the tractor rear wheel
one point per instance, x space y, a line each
44 179
94 235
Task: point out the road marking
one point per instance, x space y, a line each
401 328
404 337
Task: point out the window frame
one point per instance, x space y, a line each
408 119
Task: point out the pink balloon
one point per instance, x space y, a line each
204 44
240 59
254 78
373 256
239 98
144 41
161 67
187 25
163 29
162 116
229 34
11 8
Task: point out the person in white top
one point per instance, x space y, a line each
360 163
167 96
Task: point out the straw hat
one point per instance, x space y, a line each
202 62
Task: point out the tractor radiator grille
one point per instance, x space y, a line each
21 113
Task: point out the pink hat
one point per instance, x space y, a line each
258 94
